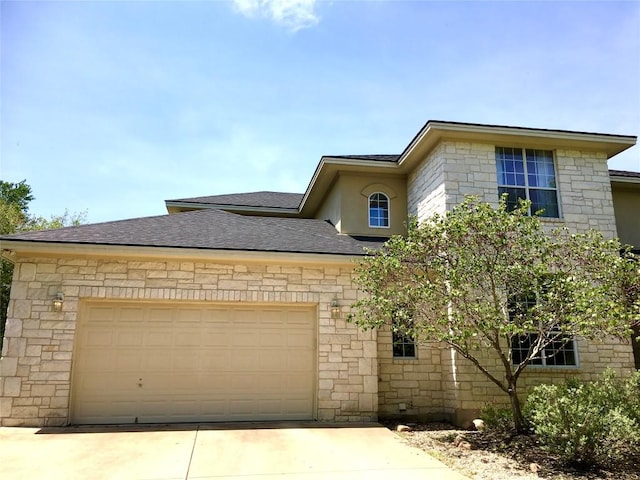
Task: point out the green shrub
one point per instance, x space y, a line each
497 417
593 423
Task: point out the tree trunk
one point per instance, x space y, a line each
518 419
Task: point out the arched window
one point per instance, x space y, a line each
378 210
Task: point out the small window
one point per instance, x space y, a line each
378 210
528 174
404 346
561 352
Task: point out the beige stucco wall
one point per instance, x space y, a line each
38 350
331 208
626 199
346 204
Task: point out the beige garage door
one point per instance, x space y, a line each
151 363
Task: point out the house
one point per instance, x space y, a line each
233 307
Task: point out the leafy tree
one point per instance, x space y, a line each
14 217
480 279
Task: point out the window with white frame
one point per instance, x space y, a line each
560 352
378 210
528 174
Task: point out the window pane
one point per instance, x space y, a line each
378 210
540 169
403 346
513 195
510 166
520 346
545 200
564 353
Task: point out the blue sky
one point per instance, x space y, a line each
113 107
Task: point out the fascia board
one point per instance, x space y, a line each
619 179
433 131
11 248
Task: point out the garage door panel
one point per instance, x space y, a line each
129 314
129 338
174 363
270 361
104 314
163 338
98 338
213 338
126 359
160 315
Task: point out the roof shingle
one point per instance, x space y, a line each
253 199
211 229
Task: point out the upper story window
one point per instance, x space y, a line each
528 174
378 210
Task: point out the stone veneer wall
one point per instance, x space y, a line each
425 186
38 350
451 171
416 383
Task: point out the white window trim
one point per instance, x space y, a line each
388 209
526 180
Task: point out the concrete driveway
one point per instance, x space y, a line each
205 451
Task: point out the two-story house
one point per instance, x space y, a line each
233 307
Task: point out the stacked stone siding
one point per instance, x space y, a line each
37 356
414 383
426 187
451 171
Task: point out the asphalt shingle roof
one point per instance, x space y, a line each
211 229
624 173
252 199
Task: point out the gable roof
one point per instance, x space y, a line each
209 229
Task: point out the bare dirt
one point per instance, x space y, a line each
490 455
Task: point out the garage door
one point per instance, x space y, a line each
151 363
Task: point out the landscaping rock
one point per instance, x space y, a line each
479 425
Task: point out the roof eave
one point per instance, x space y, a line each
10 248
434 131
176 206
623 179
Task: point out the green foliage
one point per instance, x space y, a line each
455 272
593 423
497 417
18 194
14 217
55 221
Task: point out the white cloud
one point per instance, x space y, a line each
291 14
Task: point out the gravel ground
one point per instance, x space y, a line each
492 456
